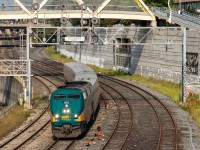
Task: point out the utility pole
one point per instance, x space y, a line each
184 66
180 5
29 85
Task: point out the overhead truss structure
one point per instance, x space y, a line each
104 35
43 10
20 68
13 68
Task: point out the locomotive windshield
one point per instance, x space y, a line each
73 96
60 97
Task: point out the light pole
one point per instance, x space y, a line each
180 5
184 66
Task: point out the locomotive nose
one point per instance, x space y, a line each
66 129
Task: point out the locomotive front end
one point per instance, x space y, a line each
67 111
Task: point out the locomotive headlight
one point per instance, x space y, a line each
66 105
57 116
68 110
75 116
64 111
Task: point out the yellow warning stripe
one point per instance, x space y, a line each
81 117
144 8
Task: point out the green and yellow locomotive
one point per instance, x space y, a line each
73 105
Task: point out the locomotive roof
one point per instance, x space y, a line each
76 85
76 71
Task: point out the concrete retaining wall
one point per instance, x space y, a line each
9 96
158 61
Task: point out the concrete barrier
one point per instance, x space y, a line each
10 90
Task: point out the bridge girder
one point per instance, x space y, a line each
77 14
88 13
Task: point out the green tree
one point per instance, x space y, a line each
160 3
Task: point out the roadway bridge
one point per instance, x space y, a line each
133 10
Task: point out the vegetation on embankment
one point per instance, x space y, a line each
193 106
167 88
52 53
171 90
15 117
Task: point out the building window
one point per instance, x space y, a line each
123 46
192 63
123 61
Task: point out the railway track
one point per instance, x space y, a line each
166 129
31 130
124 123
64 144
161 133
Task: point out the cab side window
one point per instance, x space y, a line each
84 95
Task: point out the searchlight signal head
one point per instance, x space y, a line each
63 6
36 6
34 20
83 6
63 20
95 20
94 7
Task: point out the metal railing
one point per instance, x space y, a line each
46 7
185 19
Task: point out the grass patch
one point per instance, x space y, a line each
193 106
52 53
170 89
16 116
167 88
109 72
38 99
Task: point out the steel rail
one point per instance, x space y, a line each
27 127
104 147
157 99
30 137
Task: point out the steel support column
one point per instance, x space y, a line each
29 85
184 66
